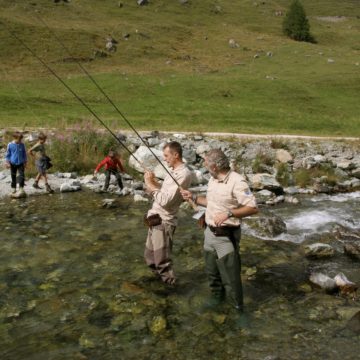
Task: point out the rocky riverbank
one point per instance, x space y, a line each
277 169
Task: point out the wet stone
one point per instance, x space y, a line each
158 325
319 251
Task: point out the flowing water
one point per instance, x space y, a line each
73 285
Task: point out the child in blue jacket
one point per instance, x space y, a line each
16 160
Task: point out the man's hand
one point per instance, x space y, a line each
150 181
7 165
219 218
186 194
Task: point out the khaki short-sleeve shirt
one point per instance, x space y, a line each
224 195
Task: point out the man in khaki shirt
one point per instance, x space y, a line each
227 201
167 200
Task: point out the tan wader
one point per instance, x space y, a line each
158 251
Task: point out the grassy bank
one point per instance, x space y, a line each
177 72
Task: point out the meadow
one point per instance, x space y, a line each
174 69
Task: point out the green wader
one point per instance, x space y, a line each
229 267
214 277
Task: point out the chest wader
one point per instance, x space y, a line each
216 286
225 273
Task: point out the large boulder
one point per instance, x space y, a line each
268 226
265 181
146 158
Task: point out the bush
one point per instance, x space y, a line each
283 175
261 162
80 150
296 25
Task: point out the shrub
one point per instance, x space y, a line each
304 177
283 175
261 161
279 144
296 25
80 150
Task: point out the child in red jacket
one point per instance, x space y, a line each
112 164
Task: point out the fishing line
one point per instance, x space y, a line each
69 89
106 96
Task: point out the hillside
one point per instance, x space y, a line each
174 68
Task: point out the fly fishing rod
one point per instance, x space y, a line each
106 96
70 90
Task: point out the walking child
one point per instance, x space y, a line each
16 160
42 162
113 164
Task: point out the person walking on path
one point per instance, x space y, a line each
227 201
16 160
113 164
42 162
162 217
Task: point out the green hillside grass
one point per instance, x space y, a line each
177 72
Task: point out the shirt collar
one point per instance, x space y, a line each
225 179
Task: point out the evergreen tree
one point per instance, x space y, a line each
296 25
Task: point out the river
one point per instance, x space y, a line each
73 285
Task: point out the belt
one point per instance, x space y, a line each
223 230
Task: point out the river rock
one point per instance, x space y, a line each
139 198
189 155
354 323
356 173
283 156
109 203
67 187
202 149
265 181
158 325
346 286
67 175
291 200
263 196
137 185
159 170
323 281
319 251
352 249
198 178
267 226
346 165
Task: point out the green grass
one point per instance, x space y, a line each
182 75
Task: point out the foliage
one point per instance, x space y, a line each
305 177
261 161
80 149
296 25
279 144
283 175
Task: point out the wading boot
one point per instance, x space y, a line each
229 267
214 278
36 185
49 190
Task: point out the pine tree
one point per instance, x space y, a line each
296 25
